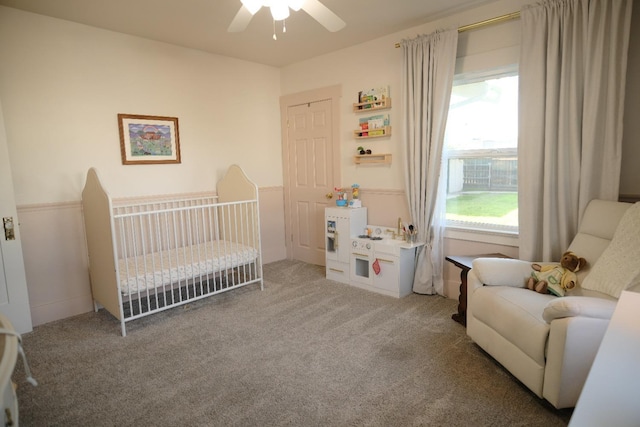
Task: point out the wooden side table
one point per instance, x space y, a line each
463 262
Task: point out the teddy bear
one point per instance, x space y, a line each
556 278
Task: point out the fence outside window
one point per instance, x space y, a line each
482 170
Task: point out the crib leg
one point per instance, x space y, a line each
123 328
95 306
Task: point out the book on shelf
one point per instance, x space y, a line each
374 122
363 124
375 97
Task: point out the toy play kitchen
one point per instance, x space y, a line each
371 257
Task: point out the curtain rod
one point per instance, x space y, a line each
490 21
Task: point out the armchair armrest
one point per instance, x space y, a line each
501 271
596 308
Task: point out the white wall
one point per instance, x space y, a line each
63 85
379 63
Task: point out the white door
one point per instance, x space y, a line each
14 298
311 173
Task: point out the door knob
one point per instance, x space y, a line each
329 195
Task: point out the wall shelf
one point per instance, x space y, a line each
381 159
377 133
382 104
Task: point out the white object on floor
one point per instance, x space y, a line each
610 394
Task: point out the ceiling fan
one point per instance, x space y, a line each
280 11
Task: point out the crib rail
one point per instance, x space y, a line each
173 252
124 206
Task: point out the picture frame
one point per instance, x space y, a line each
146 140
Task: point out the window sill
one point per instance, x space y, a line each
497 237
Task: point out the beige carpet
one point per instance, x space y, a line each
304 352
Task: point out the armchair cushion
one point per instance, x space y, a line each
516 314
502 271
573 306
618 268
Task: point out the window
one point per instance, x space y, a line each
480 152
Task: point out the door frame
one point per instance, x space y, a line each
17 308
332 93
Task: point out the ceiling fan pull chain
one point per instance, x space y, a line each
284 26
274 30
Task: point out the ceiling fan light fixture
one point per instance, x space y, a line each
252 6
279 10
295 5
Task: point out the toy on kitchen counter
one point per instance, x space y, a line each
410 233
341 196
355 191
355 197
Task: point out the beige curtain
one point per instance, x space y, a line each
572 83
428 69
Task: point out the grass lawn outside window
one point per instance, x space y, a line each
484 208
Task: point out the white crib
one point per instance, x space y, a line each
148 257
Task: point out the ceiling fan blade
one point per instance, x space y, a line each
323 15
241 20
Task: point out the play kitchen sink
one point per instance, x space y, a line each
387 240
393 246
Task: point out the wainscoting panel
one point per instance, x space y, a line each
272 224
56 262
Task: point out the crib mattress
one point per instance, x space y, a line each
161 269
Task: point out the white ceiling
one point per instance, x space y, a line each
202 24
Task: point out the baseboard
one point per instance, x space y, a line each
55 310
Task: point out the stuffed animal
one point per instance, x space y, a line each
556 278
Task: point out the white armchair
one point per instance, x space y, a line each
548 343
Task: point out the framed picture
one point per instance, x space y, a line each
148 139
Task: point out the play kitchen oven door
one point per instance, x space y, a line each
361 260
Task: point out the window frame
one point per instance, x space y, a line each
479 229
